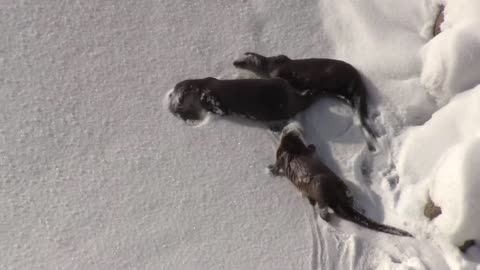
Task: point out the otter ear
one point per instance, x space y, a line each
311 148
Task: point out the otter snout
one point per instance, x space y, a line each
173 101
186 113
249 60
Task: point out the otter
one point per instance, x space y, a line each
272 101
321 186
317 76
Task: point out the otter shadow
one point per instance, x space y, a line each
330 120
473 253
273 126
374 98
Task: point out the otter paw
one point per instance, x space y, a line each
324 214
273 170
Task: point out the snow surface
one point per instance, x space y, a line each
96 174
450 59
440 160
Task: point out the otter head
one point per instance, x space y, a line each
259 64
185 99
253 62
294 128
292 141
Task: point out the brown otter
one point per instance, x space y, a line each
317 182
317 76
272 101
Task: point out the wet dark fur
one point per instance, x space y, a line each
318 183
318 75
266 100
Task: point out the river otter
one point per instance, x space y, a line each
272 101
318 76
317 182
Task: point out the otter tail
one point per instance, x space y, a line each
349 213
360 104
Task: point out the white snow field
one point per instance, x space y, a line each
95 173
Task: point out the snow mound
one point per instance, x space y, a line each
458 11
439 159
456 189
450 60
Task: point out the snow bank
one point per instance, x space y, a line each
456 189
450 60
440 159
382 40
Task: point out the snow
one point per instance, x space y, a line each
446 167
445 60
446 56
459 218
95 173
